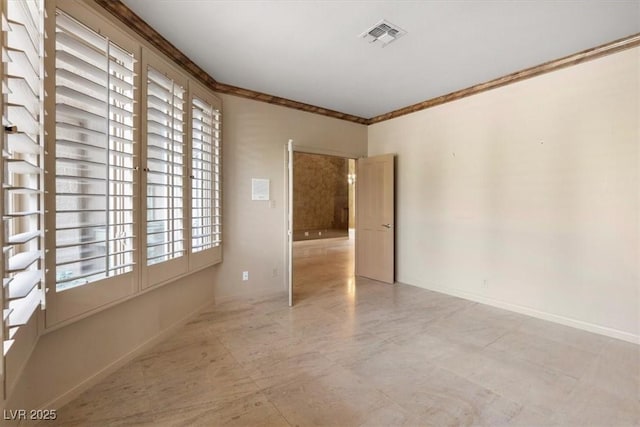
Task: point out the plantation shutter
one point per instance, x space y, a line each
94 156
22 180
206 210
165 171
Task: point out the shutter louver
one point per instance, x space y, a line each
165 168
205 177
94 156
22 156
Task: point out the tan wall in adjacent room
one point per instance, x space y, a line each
352 195
320 192
527 196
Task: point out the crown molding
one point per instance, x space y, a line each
272 99
547 67
138 25
147 32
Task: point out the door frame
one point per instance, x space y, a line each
289 149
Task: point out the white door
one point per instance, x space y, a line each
375 228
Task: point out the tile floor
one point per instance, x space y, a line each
360 353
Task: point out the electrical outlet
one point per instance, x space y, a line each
245 275
319 233
485 284
272 204
274 272
306 233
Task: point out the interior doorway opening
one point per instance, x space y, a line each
323 194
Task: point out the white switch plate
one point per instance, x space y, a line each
245 275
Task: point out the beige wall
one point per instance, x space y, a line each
527 196
255 135
320 192
66 360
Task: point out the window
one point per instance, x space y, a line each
183 133
93 194
94 156
206 209
22 186
96 231
165 184
165 168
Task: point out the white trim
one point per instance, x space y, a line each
290 220
567 321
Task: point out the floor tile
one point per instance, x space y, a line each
552 355
338 398
355 352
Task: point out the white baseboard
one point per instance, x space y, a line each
94 379
567 321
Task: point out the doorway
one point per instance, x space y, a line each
322 210
374 201
323 196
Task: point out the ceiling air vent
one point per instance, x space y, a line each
383 33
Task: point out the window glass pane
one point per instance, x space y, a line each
94 156
204 157
165 168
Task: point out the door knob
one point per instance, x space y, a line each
386 225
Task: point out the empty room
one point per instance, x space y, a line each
333 213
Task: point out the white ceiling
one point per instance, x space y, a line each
308 51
